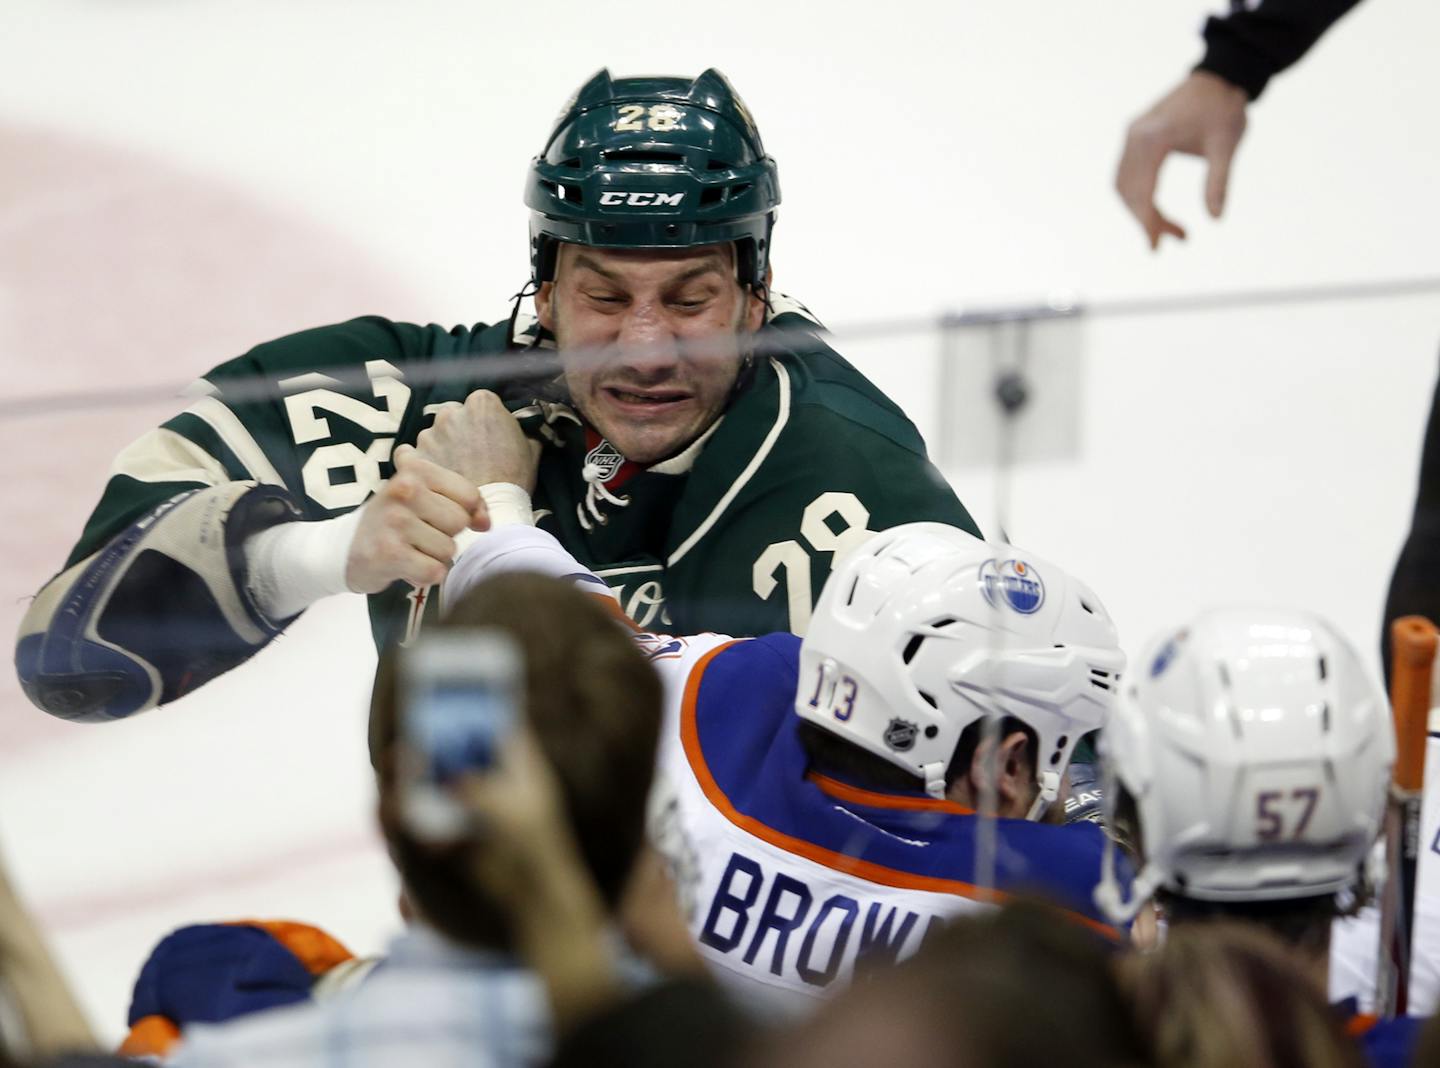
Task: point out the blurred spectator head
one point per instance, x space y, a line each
1227 995
1019 986
1427 1046
593 704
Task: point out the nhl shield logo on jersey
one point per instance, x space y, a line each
1013 583
606 459
900 734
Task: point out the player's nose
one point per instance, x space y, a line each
645 342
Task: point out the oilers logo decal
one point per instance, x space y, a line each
1012 583
1167 654
606 458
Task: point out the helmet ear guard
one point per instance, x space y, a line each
1049 783
544 252
934 776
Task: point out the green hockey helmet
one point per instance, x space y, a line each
653 163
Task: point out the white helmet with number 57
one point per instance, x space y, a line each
1252 752
925 629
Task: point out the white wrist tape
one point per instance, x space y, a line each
508 504
293 565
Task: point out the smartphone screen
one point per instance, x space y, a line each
457 725
460 694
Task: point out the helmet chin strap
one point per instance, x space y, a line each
829 671
1049 791
529 289
934 776
1110 895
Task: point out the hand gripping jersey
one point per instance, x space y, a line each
735 534
790 879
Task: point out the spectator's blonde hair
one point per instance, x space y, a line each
1228 995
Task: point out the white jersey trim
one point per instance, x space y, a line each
607 572
781 418
161 455
232 432
783 304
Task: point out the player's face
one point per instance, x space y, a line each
650 340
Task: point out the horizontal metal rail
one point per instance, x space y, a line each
493 370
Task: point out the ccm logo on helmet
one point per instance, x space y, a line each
612 197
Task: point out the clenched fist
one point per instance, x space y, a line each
407 530
481 441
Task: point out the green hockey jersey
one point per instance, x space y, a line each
736 535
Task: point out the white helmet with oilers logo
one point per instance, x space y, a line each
925 629
1256 751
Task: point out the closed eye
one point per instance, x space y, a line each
692 300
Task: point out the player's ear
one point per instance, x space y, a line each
545 306
1015 768
1017 772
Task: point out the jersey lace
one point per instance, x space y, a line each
595 495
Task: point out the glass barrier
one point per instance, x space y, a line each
1173 454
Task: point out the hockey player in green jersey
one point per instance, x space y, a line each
700 446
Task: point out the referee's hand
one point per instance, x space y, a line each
1203 116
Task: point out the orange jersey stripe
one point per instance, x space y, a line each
843 791
152 1036
314 948
612 607
1360 1023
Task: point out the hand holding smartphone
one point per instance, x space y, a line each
460 698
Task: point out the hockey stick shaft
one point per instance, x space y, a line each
1414 640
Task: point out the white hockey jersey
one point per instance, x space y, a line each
789 878
1355 943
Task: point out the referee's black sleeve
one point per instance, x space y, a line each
1415 585
1251 45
